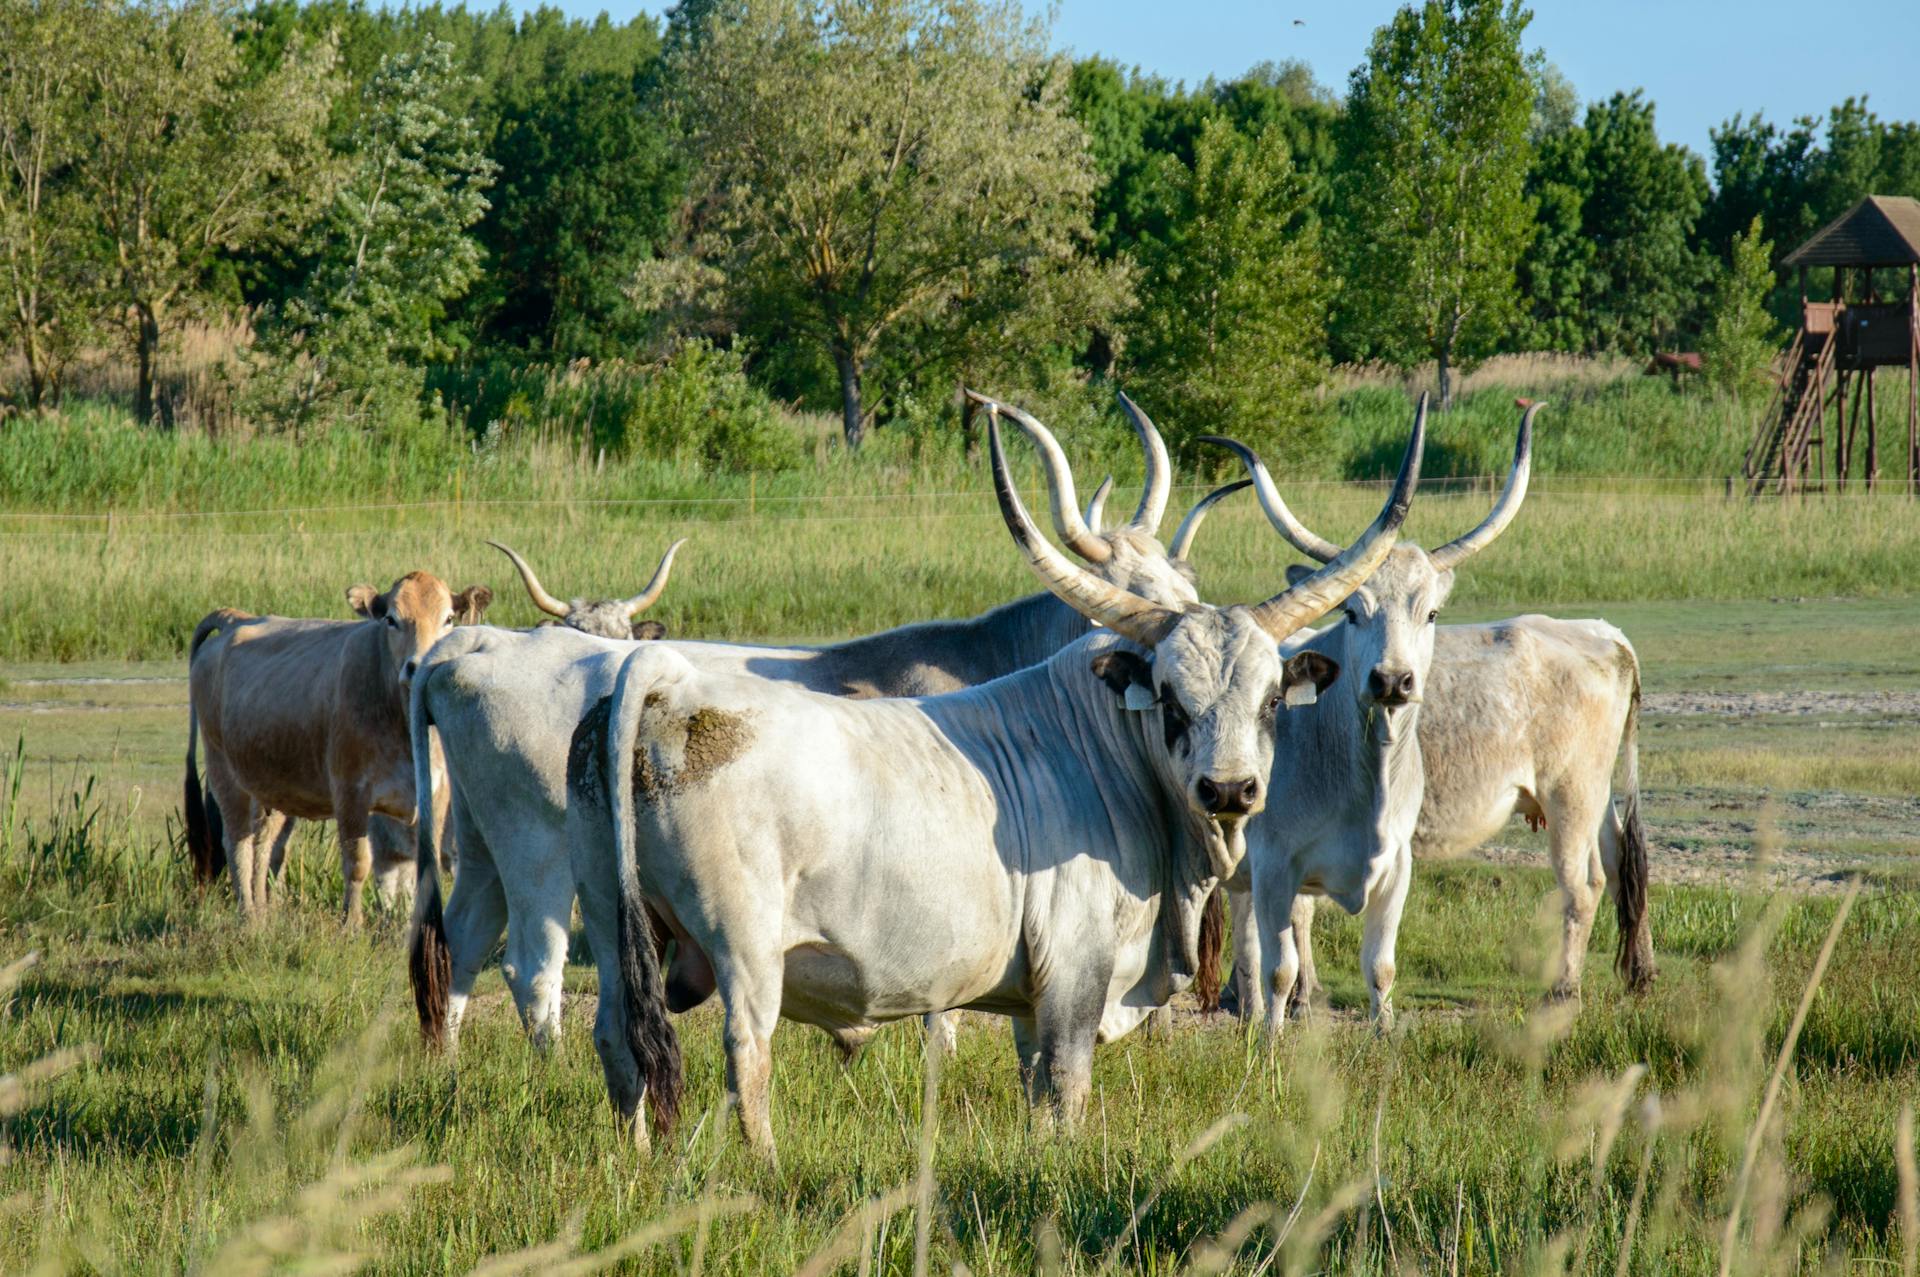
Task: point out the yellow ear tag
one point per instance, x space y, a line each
1139 698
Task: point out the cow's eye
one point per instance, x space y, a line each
393 622
1432 617
1174 717
450 619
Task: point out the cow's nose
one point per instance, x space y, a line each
1390 686
1227 797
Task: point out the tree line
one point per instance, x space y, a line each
858 206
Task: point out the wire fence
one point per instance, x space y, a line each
25 523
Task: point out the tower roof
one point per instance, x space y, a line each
1881 230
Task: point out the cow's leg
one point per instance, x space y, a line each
476 914
1574 844
273 855
1068 1021
269 828
1026 1053
942 1029
241 824
393 871
750 988
1246 956
351 815
1307 984
1380 930
536 958
1274 889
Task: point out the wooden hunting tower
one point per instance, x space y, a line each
1840 343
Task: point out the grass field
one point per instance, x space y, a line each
219 1099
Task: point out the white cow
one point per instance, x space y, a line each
1041 846
507 703
1527 714
1347 777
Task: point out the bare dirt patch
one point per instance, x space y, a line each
1793 704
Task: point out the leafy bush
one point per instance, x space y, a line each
699 404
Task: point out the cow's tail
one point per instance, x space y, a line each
650 1034
1213 941
1635 958
429 960
205 830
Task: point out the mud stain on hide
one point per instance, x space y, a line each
587 751
714 738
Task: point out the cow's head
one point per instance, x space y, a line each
1210 681
1386 629
1128 556
417 613
603 618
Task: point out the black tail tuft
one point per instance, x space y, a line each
206 846
1635 957
650 1034
430 966
1213 940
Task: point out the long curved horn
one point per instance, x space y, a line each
1296 533
541 599
1066 505
647 597
1159 482
1097 505
1125 614
1455 552
1189 526
1287 611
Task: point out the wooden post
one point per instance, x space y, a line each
1873 437
1913 380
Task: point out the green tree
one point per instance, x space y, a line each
48 257
1613 266
871 172
1741 338
1231 333
1435 212
185 158
394 247
588 190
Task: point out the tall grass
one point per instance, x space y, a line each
253 1098
866 550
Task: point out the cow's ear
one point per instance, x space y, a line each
1123 670
472 603
366 601
1307 675
648 631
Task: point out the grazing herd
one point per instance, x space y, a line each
1033 813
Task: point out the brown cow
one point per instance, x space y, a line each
308 718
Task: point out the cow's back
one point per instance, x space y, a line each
1511 705
266 690
506 704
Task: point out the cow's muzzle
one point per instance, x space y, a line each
1227 799
1391 688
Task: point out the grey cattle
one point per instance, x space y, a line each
1534 715
603 618
1526 715
506 704
1347 773
1041 846
307 719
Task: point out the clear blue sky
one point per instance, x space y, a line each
1700 61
